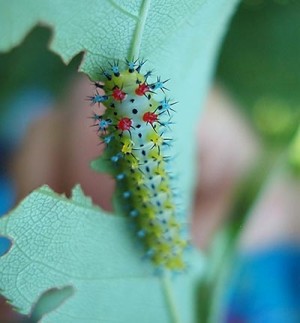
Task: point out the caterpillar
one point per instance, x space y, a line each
134 129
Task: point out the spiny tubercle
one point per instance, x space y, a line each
134 129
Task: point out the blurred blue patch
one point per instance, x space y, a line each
265 287
7 195
7 200
5 245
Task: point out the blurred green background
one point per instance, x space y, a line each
259 64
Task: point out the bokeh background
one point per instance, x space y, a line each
247 213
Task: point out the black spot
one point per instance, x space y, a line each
147 169
115 113
138 126
158 203
134 111
140 135
143 152
112 105
132 100
150 178
153 187
150 105
141 145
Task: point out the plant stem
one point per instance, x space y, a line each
139 30
170 298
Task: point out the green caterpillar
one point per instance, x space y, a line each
134 129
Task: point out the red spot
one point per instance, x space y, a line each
124 124
142 89
118 94
150 117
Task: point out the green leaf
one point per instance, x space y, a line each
103 29
180 40
59 242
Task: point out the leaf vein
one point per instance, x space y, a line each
127 13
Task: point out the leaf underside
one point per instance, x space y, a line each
103 29
59 242
178 38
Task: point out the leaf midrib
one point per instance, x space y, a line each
139 30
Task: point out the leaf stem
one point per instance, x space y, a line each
166 283
138 33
